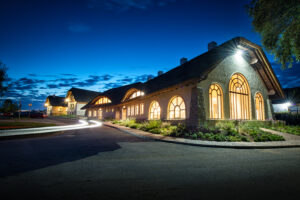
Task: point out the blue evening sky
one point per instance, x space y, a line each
50 46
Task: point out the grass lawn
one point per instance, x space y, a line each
221 131
15 125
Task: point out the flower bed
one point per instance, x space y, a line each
221 131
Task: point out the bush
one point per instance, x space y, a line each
227 127
194 136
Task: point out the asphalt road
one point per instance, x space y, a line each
104 163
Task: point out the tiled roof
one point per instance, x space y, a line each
57 101
81 95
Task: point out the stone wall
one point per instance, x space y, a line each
222 74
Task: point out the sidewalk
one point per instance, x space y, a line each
238 145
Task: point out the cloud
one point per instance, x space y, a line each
124 5
52 86
143 78
79 28
111 85
68 74
37 88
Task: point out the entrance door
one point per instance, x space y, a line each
117 115
124 114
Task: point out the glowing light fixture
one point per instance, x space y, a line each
238 52
67 100
46 104
287 104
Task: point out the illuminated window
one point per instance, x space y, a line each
154 111
90 113
176 108
259 106
112 110
100 113
137 109
128 111
141 108
239 97
215 101
132 110
103 100
136 94
95 113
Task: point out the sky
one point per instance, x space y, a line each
50 46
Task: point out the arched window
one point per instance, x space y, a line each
176 108
103 100
215 101
136 94
154 111
239 97
259 106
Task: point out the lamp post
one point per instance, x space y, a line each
20 106
29 109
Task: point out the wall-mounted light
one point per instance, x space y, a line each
239 52
67 100
46 104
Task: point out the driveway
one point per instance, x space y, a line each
104 163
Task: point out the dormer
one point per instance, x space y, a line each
132 94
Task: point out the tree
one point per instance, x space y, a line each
3 77
9 106
278 22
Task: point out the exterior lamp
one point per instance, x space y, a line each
46 104
67 100
287 104
238 56
238 53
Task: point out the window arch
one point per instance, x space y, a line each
136 94
239 97
154 110
103 100
176 108
215 101
259 106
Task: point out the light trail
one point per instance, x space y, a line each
31 131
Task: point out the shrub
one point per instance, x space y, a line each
155 130
194 136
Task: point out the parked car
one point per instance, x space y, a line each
37 115
6 115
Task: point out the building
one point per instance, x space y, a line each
76 98
230 81
290 104
56 106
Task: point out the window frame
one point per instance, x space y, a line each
177 106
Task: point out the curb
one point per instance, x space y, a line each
213 144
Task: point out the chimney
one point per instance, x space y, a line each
183 60
211 45
149 78
159 73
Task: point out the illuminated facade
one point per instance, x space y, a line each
77 98
232 81
55 106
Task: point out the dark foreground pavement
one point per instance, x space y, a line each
103 163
